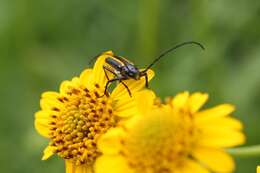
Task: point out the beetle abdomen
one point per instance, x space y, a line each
114 63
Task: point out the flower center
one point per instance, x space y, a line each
159 142
83 118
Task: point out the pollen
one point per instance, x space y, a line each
84 116
160 144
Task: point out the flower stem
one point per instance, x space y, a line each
249 151
148 27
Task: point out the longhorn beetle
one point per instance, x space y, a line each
123 69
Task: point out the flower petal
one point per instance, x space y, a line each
133 85
180 100
197 100
144 101
73 168
222 122
112 164
43 114
258 169
215 159
50 95
109 143
192 166
50 100
66 86
127 112
86 78
42 124
48 152
132 122
41 129
49 104
220 137
217 111
98 71
75 81
125 107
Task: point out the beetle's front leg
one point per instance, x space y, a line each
144 73
110 81
146 80
128 90
107 69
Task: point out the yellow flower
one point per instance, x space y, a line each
172 138
258 169
75 117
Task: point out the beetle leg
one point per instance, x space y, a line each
146 80
110 81
144 73
120 79
128 90
117 78
105 68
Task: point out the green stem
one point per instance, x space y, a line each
148 27
249 151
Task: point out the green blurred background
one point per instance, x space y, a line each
44 42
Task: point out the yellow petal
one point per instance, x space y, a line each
216 160
145 100
221 137
98 71
49 103
191 166
76 81
43 114
125 107
133 85
180 100
64 86
127 112
73 168
215 112
112 164
48 152
196 101
49 100
258 169
132 122
109 143
68 85
50 95
222 122
43 127
86 78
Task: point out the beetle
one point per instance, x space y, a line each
123 69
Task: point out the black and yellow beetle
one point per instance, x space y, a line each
123 69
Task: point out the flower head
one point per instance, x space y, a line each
74 118
174 137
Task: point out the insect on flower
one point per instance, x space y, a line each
123 69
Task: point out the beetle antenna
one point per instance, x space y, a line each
172 49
